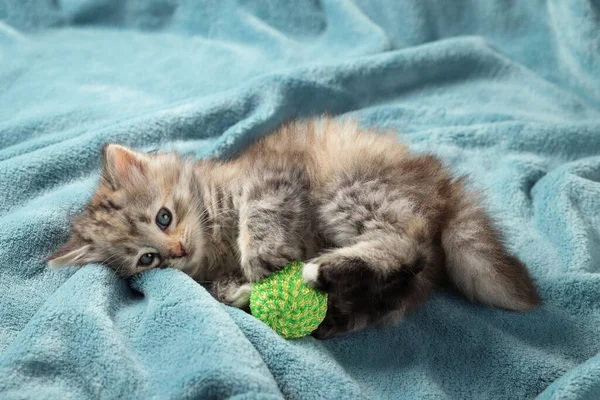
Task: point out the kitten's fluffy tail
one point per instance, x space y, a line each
478 264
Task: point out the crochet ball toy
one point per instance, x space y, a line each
285 303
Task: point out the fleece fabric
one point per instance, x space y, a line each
505 91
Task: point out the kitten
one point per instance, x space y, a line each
379 227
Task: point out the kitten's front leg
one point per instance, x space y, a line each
273 224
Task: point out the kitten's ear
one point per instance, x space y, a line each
74 252
122 164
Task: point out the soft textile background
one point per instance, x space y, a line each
507 91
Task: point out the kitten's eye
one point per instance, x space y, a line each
163 218
147 259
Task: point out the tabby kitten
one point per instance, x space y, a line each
379 227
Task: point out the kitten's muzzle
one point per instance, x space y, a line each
177 251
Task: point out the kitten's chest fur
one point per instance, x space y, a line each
220 218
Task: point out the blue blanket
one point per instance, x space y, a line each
507 91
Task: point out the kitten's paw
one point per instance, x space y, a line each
327 331
337 273
241 297
310 273
318 272
233 291
336 323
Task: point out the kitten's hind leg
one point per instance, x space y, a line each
233 290
383 276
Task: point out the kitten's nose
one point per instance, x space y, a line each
177 251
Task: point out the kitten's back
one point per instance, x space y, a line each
326 147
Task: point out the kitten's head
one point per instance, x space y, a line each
143 215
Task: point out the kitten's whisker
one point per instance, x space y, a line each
121 266
110 259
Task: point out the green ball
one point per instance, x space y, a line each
285 303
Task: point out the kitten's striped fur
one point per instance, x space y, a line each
379 227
